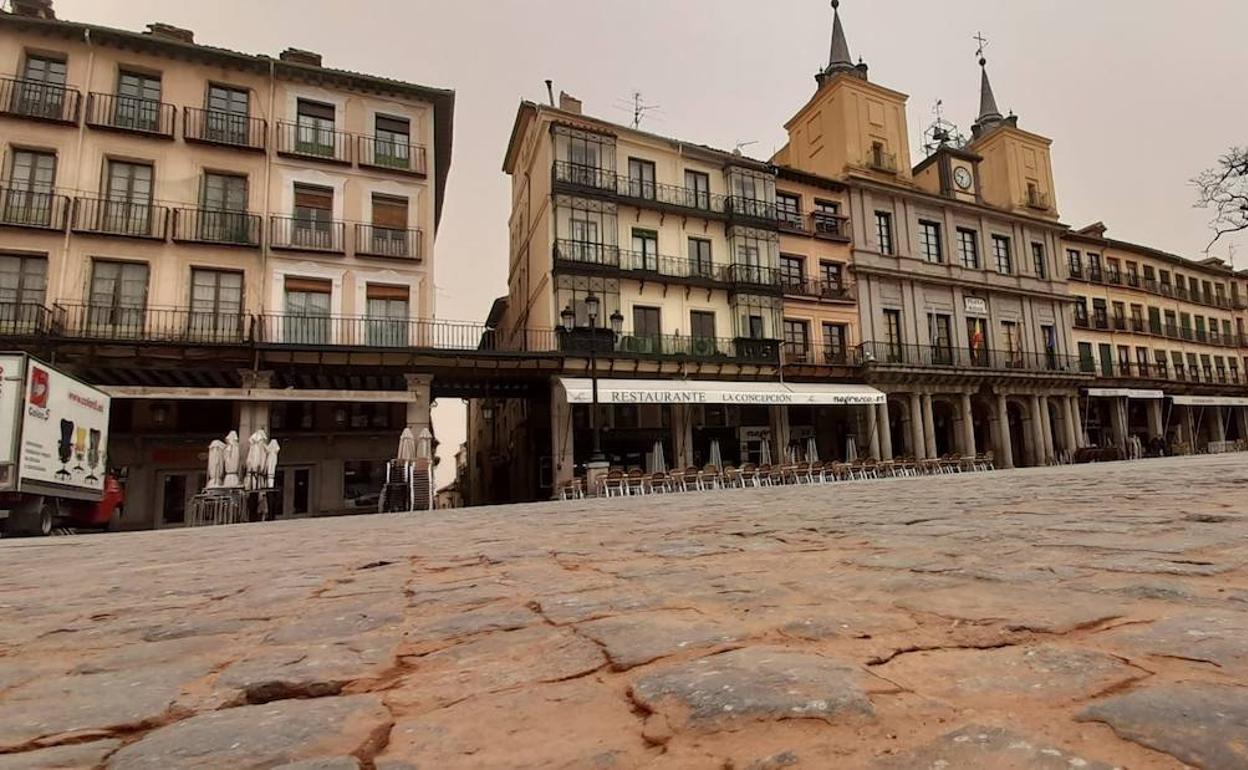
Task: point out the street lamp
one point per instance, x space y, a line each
568 316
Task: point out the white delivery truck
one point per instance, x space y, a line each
53 450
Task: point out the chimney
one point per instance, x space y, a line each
569 103
300 56
37 9
170 32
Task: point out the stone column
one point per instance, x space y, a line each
1155 426
929 426
968 427
1070 419
561 436
1035 455
1046 427
1118 424
779 433
1217 428
1004 454
418 409
1242 413
886 434
253 415
918 441
682 436
873 432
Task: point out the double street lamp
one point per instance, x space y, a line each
595 337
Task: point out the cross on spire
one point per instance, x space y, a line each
983 43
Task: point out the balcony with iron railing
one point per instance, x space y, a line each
390 154
698 348
131 114
128 217
37 210
37 100
313 142
131 323
228 129
885 354
225 228
878 160
1081 322
827 291
390 242
24 319
832 227
1037 200
307 234
813 355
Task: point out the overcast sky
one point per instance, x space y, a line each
1137 95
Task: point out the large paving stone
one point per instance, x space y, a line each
93 702
308 670
1210 636
988 748
632 640
335 763
469 623
261 737
333 619
1053 612
78 756
1205 725
495 662
1010 675
574 725
754 684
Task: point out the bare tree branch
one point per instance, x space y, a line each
1224 189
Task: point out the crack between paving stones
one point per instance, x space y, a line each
882 660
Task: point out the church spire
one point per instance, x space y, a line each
839 58
989 114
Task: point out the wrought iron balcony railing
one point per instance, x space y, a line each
129 113
128 323
594 179
227 228
378 241
948 357
120 216
224 128
390 154
830 291
317 331
825 356
24 319
39 101
306 234
314 142
832 227
39 210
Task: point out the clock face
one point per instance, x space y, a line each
962 177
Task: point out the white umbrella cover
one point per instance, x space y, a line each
255 459
231 458
216 464
407 446
764 454
851 449
270 463
658 463
424 445
812 450
717 458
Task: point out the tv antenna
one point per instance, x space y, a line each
740 145
639 108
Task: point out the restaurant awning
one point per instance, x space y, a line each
1209 400
580 391
1124 393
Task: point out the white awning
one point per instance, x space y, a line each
1124 393
580 391
1209 400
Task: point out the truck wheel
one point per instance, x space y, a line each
35 519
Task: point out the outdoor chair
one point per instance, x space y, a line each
951 463
764 476
870 468
635 481
613 484
749 475
693 479
659 483
711 478
732 477
800 473
816 473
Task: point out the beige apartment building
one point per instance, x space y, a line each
224 241
1166 337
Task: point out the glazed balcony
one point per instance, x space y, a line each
226 129
390 242
884 354
313 143
390 155
121 217
223 228
35 210
130 114
37 100
301 234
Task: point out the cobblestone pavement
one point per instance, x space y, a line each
1087 617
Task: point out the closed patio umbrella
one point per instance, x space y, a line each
717 459
424 444
851 449
216 464
407 446
658 463
232 460
256 459
764 454
812 450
